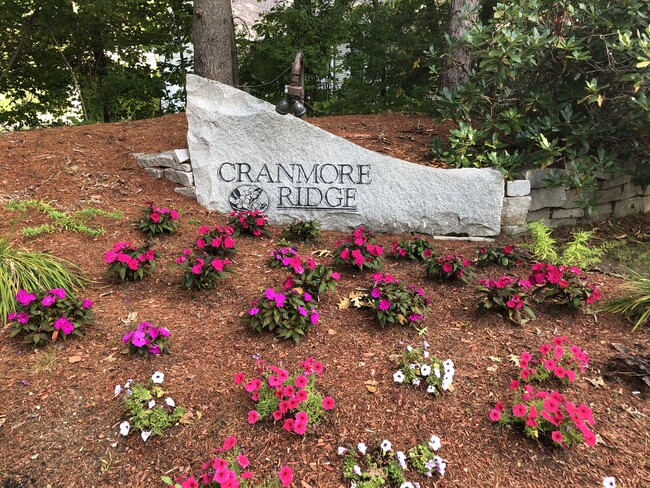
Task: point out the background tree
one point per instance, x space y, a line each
457 61
213 36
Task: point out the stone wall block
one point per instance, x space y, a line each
513 230
515 210
518 188
542 214
610 195
547 197
631 190
616 181
184 178
156 172
188 191
566 213
182 156
631 206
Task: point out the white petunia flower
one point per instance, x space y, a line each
398 376
425 370
128 383
170 402
125 428
406 484
341 450
441 465
609 482
158 377
118 389
361 447
448 364
425 344
413 366
436 371
434 442
151 404
431 389
357 470
145 434
401 459
416 382
409 348
386 445
426 354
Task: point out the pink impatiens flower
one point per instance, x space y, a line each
328 403
253 417
286 476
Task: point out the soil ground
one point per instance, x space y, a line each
59 420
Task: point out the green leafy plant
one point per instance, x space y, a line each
201 270
289 314
448 268
634 304
553 84
382 466
229 467
505 257
146 409
418 368
547 415
543 246
43 317
128 262
147 339
302 231
30 270
158 220
61 220
358 250
395 303
252 222
319 279
293 399
416 248
506 294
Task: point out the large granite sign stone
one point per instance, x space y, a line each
245 156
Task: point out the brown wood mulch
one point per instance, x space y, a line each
58 419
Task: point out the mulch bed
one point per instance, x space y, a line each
58 420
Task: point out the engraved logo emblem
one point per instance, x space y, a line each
248 197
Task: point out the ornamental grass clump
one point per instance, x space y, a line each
21 269
290 398
251 222
563 285
288 314
216 241
505 257
506 294
302 231
147 339
358 250
158 220
42 317
201 270
415 248
230 467
128 262
556 360
150 411
450 268
396 304
382 466
418 368
547 415
634 304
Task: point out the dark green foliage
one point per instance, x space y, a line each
301 231
555 84
84 61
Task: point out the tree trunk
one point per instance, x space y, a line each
213 35
457 63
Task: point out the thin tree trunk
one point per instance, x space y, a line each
457 63
213 35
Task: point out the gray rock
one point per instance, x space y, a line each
631 206
616 181
631 190
515 210
563 222
547 197
246 156
542 214
537 176
610 195
646 204
600 212
182 156
188 191
156 172
566 213
184 178
513 230
163 160
518 188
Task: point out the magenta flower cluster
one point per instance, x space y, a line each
158 220
359 250
559 359
147 338
130 262
564 284
251 222
217 240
